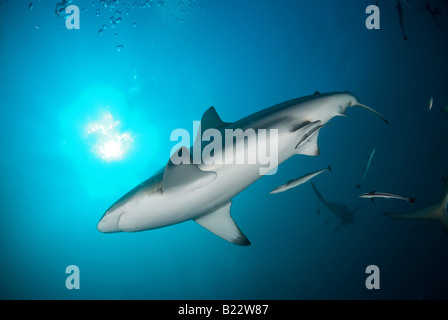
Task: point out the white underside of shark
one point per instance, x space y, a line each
204 192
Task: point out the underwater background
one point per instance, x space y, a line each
86 115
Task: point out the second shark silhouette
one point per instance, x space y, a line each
340 210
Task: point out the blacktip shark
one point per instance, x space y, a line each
203 192
437 211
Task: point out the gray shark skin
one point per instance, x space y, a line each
204 192
340 210
436 211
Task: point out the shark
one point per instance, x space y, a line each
437 211
203 192
340 210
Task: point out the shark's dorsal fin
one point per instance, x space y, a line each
211 120
220 222
316 93
180 171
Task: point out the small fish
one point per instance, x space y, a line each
430 104
400 16
297 182
369 161
375 194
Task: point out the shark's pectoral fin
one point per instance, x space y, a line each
220 222
309 147
185 173
308 133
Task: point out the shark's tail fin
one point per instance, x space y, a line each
372 111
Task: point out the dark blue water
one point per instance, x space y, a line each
177 58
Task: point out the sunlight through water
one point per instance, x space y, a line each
110 144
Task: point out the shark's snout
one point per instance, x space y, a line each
109 222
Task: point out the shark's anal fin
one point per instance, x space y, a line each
220 222
185 173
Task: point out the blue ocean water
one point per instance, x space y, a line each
65 94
